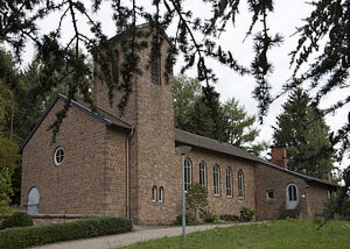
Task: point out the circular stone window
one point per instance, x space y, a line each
59 155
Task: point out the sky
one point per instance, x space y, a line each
287 16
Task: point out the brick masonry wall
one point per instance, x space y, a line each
224 204
270 179
316 195
77 186
115 172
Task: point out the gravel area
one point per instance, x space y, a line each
139 234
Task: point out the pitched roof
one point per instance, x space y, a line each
99 114
184 137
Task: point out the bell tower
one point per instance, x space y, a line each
150 110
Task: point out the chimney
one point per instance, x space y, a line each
279 157
326 176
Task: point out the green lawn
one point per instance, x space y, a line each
276 234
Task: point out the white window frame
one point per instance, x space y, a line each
216 179
59 155
203 174
188 173
229 184
161 194
154 193
241 193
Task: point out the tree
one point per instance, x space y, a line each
228 122
196 39
239 127
197 198
304 135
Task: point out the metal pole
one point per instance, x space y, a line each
183 199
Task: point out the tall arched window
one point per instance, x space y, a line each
115 67
202 174
240 184
161 194
188 174
154 193
229 182
216 179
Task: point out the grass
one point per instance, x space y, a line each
276 234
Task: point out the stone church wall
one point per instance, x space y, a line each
77 186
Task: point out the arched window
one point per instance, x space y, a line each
202 174
188 174
229 182
240 184
292 196
115 67
216 179
292 192
161 194
154 193
155 69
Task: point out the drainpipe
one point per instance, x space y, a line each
127 172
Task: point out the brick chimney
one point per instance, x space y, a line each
326 176
279 157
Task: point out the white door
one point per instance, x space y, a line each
292 195
33 201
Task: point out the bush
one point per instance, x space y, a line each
15 238
208 216
190 219
18 219
229 217
247 214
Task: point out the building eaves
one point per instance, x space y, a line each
184 137
106 118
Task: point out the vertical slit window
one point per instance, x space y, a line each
154 193
202 174
161 194
155 70
115 67
188 174
216 179
229 182
240 184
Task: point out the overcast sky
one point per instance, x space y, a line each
288 15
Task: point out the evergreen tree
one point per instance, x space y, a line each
228 122
305 135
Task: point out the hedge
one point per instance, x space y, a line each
16 238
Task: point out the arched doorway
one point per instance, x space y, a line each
33 201
292 194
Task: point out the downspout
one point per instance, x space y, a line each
127 172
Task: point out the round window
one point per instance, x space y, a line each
59 155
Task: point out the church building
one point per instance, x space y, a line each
104 163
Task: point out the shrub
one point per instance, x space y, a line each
196 198
18 219
15 238
247 214
190 219
208 216
229 217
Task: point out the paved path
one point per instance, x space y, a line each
139 234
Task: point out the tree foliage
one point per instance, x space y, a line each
197 198
227 122
322 50
304 135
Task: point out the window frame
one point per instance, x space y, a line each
188 173
241 189
161 194
216 180
154 193
115 67
203 174
229 182
60 156
156 70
